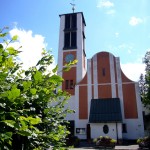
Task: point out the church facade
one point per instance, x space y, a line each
105 101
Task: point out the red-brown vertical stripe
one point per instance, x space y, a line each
83 102
130 105
104 91
103 63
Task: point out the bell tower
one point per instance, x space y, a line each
71 47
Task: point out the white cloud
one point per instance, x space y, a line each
122 46
129 51
135 21
133 70
105 4
116 34
127 47
15 24
111 12
32 46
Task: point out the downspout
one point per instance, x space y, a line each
117 132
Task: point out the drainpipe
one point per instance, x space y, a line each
117 131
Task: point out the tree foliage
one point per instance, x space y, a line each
144 82
31 104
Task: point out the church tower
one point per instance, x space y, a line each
71 47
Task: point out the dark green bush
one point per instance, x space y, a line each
144 142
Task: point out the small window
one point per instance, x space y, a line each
71 84
124 128
74 21
103 71
67 21
67 39
105 129
73 39
67 84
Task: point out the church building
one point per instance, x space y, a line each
105 101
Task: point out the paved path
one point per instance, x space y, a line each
129 147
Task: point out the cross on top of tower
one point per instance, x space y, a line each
73 6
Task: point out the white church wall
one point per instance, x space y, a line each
134 129
89 80
97 130
119 81
119 126
82 125
79 124
95 77
112 72
139 109
71 105
61 44
79 48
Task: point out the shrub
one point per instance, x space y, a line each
144 142
32 114
73 141
105 141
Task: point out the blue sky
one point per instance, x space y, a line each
121 27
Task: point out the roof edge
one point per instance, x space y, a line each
75 13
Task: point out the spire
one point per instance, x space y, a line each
73 6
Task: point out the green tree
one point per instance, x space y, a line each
144 82
32 113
